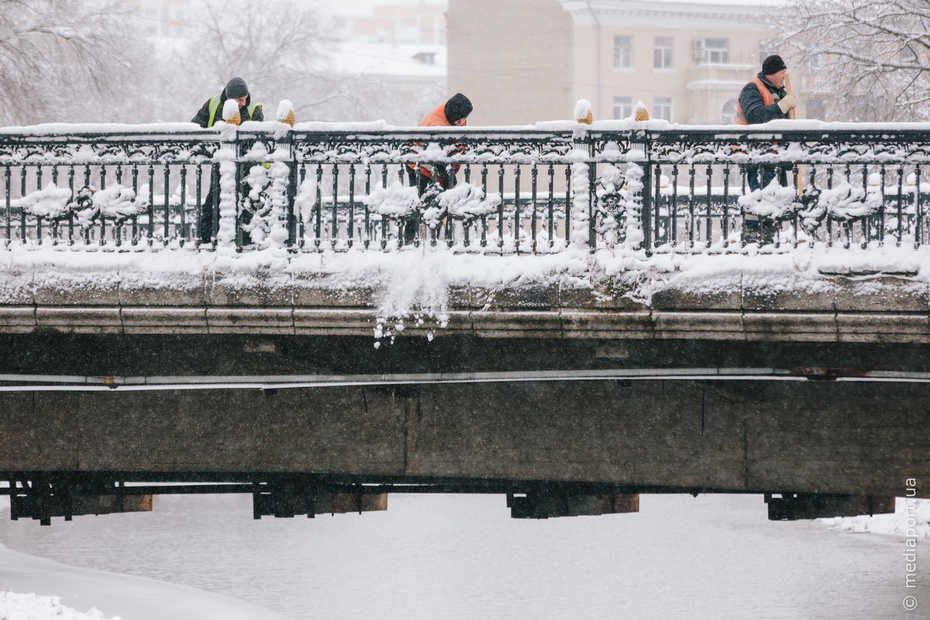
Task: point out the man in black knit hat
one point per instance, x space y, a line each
211 112
764 98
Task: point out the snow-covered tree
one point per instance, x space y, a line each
280 47
66 61
872 55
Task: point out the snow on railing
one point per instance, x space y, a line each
622 185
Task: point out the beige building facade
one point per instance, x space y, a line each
523 61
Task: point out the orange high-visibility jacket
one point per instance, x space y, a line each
436 118
767 99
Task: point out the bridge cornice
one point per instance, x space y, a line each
762 298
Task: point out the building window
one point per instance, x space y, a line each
623 52
662 108
623 107
663 53
712 51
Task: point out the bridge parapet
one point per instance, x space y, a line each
619 185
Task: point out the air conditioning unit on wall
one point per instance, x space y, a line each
698 50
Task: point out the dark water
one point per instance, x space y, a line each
463 557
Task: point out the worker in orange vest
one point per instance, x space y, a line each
426 177
763 99
453 112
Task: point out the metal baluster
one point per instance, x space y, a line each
367 240
657 207
707 219
500 209
725 222
516 210
22 212
351 222
691 218
318 207
484 217
183 214
9 208
334 224
798 178
568 205
38 217
301 221
384 220
150 237
828 215
70 213
918 214
466 225
450 222
166 230
199 192
103 219
551 203
673 212
119 181
900 204
535 179
54 224
867 220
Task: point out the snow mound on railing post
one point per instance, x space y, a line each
227 158
581 197
632 204
280 178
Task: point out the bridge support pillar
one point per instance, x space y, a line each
44 498
541 505
286 500
794 506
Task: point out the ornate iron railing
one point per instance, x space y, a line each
649 187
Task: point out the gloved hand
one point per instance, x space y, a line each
789 102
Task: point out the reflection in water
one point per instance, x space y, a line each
463 557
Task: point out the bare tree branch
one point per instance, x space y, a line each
873 56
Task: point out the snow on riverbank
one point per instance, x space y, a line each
911 519
33 588
15 606
37 589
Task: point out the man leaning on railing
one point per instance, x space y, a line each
211 111
436 177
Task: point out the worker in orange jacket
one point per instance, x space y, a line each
452 113
763 99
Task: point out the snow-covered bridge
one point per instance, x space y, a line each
580 317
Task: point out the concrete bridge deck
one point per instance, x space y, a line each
598 387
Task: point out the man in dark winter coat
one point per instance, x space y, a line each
236 88
438 177
211 112
764 99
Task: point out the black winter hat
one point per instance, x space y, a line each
457 107
772 65
236 88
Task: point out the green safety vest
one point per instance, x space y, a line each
215 104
